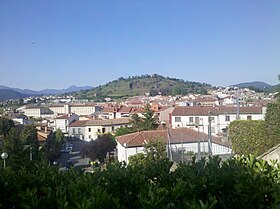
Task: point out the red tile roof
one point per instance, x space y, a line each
203 110
66 116
78 123
176 136
118 121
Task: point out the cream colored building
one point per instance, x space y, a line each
95 127
197 117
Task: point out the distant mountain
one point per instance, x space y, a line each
6 94
70 89
139 85
257 85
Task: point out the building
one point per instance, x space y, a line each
37 112
62 122
198 117
95 127
178 140
77 129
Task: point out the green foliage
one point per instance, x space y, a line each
5 125
135 122
236 183
149 121
123 131
30 141
249 137
14 147
272 118
154 151
98 149
139 85
58 138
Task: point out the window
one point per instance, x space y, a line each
89 136
74 131
79 130
191 119
227 118
103 130
89 129
113 128
177 119
196 119
213 130
212 119
98 130
249 117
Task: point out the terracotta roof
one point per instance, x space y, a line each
78 123
203 110
63 117
107 122
109 109
137 110
163 108
125 110
139 138
176 136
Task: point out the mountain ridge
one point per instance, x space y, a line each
257 85
70 89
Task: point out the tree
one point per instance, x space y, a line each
30 141
149 122
272 118
135 122
278 90
155 150
123 131
98 149
58 138
14 147
6 125
250 137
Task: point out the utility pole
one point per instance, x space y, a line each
198 145
209 135
238 106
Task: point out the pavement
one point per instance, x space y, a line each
73 156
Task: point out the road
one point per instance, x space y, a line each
74 156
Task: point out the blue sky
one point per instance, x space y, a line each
54 44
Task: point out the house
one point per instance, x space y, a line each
62 122
95 127
181 139
163 113
120 112
77 129
43 134
198 117
108 113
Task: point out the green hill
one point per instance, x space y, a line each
139 85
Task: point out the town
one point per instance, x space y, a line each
185 118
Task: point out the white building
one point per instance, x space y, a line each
77 129
198 117
62 122
183 140
78 109
95 127
36 112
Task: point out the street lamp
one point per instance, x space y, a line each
4 156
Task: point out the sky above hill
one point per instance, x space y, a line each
54 44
